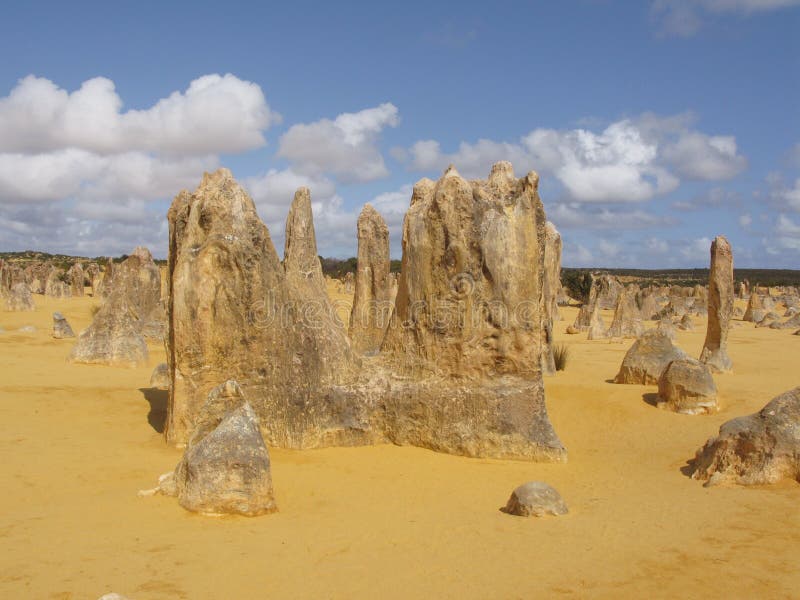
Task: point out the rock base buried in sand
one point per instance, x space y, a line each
686 386
756 449
647 358
226 466
535 499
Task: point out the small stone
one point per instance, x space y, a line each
160 377
535 499
61 327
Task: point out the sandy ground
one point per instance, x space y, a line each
78 442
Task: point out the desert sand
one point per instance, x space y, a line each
79 441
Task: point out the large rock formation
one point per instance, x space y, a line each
551 287
627 322
584 318
648 358
75 276
608 290
459 368
755 310
552 271
56 285
720 307
374 300
597 328
232 314
686 386
760 448
115 336
19 298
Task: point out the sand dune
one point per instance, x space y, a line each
78 442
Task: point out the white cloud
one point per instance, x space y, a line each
706 158
77 174
215 114
745 220
697 250
345 147
586 216
631 160
685 17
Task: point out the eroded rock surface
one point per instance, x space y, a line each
535 499
648 358
720 307
61 327
757 449
460 366
19 298
686 386
226 468
373 302
116 334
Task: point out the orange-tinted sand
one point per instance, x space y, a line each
78 442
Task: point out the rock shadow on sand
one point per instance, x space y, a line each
157 398
650 398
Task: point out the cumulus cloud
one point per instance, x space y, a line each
346 147
745 220
216 113
631 160
697 250
686 17
77 173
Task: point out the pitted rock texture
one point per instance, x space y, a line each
373 302
469 386
720 307
756 449
648 358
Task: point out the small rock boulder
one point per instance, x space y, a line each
535 499
686 386
756 449
160 377
572 330
226 466
648 358
61 327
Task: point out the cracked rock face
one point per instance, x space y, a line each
720 307
459 369
756 449
226 468
235 313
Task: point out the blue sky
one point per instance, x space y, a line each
654 125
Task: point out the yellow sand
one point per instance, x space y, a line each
386 521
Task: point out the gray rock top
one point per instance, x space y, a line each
535 499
